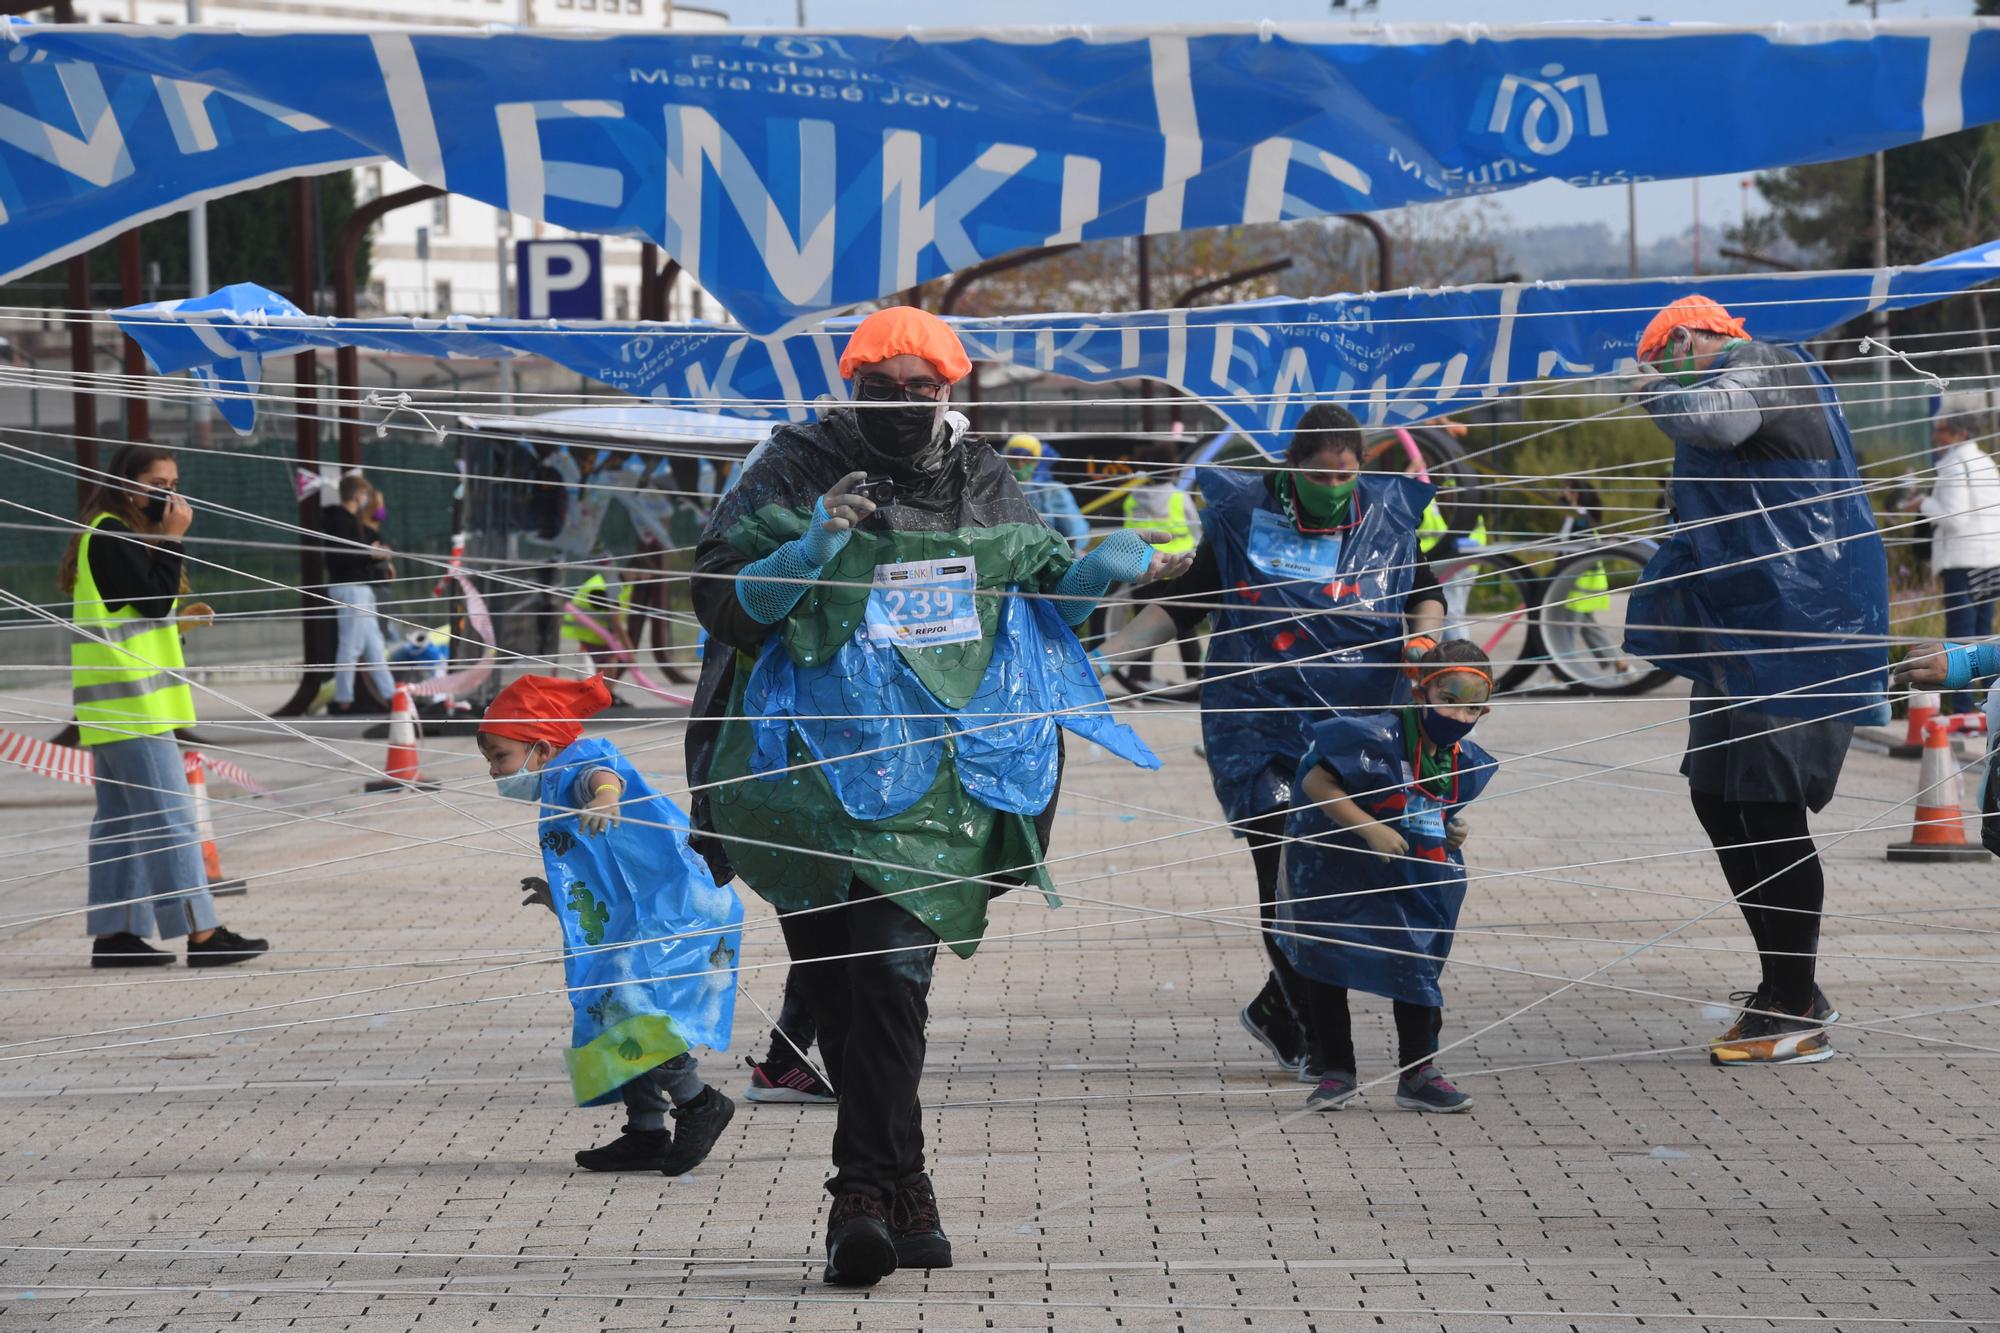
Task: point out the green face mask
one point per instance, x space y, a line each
1023 471
1681 368
1322 502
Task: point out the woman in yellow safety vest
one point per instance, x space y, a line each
124 573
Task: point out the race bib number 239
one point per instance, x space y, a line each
918 603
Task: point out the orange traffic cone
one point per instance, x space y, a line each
1939 834
1924 705
211 860
401 768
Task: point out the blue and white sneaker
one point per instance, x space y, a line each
1425 1089
1336 1089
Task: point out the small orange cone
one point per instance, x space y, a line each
1939 834
401 768
1924 705
211 860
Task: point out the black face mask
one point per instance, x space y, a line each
904 432
155 508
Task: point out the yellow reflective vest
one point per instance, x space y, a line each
589 598
1174 520
127 675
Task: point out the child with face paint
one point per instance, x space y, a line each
1373 878
650 941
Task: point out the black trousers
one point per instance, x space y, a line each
795 1020
1417 1028
871 1011
1265 834
1770 861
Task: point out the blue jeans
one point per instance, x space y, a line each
650 1096
360 641
144 844
1965 621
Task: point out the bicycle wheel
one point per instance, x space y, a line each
1582 620
1491 598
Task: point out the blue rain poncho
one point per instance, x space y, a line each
1320 613
1343 907
650 941
1774 584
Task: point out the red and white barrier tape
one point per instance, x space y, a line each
68 764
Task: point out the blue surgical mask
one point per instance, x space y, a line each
1444 732
523 784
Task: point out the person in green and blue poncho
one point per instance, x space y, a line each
876 748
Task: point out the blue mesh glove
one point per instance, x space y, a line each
763 587
1120 558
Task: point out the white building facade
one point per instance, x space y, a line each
451 255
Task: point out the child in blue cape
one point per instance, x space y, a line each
1373 877
650 941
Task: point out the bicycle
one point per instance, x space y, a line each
1581 619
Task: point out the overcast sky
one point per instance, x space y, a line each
1663 209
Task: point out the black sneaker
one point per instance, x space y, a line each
225 948
915 1228
859 1250
788 1080
634 1150
127 950
1822 1008
696 1128
1747 1003
1269 1019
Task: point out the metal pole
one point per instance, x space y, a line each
197 215
1632 228
82 363
138 414
1881 207
315 625
1697 226
1145 243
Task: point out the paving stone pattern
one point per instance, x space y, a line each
371 1128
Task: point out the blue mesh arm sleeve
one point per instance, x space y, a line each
1120 558
769 588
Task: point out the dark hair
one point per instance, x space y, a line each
1457 652
1325 428
112 493
353 486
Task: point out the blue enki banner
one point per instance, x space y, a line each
1391 359
801 173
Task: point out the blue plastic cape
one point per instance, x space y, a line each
879 733
1311 623
638 885
1392 358
1763 549
1343 904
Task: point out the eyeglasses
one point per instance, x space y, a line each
882 389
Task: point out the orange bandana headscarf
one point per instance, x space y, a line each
1690 312
904 330
546 708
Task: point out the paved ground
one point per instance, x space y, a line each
370 1129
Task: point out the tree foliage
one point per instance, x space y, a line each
249 240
